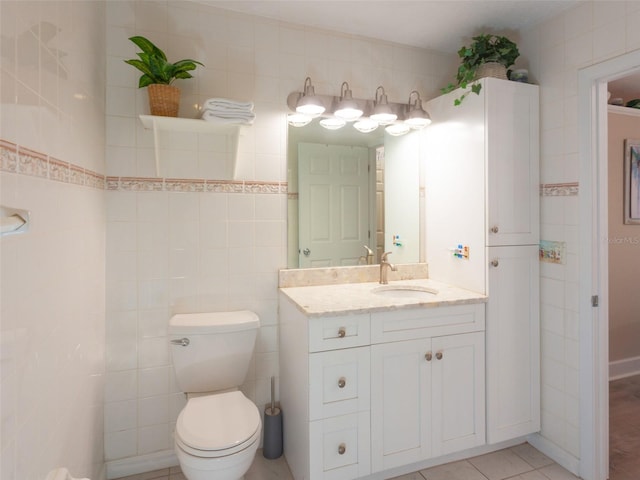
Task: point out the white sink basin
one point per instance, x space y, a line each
404 291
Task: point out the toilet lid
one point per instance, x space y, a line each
218 422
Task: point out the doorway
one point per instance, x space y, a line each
594 322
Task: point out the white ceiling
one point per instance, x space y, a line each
443 25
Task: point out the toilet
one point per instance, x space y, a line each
218 431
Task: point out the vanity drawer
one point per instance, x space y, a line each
332 333
339 447
426 322
339 382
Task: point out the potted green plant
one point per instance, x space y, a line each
487 56
157 76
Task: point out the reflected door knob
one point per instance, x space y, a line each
306 252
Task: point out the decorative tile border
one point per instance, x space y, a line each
135 184
24 161
21 160
559 189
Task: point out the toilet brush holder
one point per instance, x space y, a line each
272 441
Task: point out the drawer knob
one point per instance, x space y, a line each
342 382
439 355
342 448
342 332
428 356
495 262
494 229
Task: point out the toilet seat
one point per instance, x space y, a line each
218 425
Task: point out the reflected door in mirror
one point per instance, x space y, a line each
333 204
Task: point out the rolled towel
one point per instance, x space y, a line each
225 102
211 117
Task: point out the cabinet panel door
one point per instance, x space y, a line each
513 343
338 382
458 415
512 163
339 447
400 403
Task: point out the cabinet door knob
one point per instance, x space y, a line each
342 448
439 355
495 262
494 229
342 332
342 382
428 356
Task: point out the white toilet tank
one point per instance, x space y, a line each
212 351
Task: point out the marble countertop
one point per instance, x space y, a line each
350 298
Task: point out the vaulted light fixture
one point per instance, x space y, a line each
417 118
309 104
382 112
347 109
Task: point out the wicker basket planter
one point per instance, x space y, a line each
493 70
164 100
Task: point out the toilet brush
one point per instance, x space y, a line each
272 444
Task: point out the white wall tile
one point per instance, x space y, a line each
153 382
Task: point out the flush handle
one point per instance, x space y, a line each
342 448
183 342
342 382
342 332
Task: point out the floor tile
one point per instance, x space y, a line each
453 471
161 474
500 465
265 469
535 475
532 456
556 472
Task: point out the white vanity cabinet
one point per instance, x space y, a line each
427 392
367 392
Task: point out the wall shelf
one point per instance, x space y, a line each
192 125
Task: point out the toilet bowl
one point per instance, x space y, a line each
217 436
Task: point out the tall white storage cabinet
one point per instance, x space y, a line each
482 192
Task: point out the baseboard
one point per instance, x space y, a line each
141 464
624 368
555 453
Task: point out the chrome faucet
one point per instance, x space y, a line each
383 268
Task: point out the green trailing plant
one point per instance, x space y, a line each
484 48
154 65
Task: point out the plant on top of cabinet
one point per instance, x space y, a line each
158 74
487 56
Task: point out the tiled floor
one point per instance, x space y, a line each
522 462
624 428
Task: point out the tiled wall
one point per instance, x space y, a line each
52 298
205 248
557 49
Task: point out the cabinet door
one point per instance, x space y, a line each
339 447
512 163
513 343
400 403
458 392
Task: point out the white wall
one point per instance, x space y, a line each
52 278
556 49
624 245
171 251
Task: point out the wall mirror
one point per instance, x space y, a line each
349 191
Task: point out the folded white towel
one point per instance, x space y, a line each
226 103
211 117
245 115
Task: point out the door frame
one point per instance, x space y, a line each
594 261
